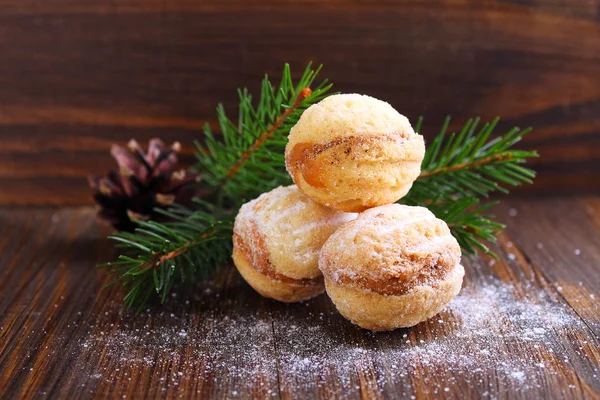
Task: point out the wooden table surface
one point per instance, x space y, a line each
524 326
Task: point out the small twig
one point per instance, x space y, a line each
304 93
158 259
487 160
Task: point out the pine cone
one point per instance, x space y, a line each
143 183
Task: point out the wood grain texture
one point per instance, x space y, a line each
79 75
573 265
525 326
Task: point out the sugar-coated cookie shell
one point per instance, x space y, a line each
279 288
276 243
377 312
393 266
352 152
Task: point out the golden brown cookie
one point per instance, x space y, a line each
352 152
276 243
393 266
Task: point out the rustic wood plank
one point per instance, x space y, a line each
436 358
74 340
95 72
560 237
510 334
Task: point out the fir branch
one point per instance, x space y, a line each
160 255
304 93
461 169
249 160
471 163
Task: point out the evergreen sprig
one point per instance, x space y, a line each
247 161
159 255
459 170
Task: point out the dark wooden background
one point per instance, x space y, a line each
78 75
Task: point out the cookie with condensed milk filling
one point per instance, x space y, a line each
276 243
393 266
352 152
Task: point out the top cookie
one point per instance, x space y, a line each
352 152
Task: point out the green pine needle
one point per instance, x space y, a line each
247 159
163 254
460 169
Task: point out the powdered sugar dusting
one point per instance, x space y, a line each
293 228
376 236
302 347
476 306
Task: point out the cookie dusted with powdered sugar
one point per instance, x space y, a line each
352 152
276 243
393 266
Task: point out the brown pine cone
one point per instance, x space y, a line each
144 182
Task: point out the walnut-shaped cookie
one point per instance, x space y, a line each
352 152
393 266
276 243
